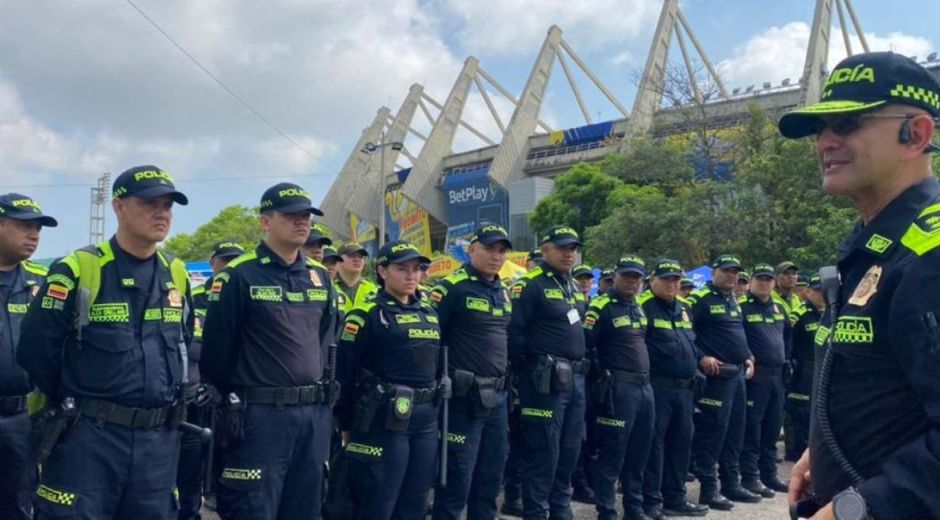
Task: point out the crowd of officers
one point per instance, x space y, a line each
326 393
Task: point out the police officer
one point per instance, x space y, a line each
686 286
606 281
532 261
271 318
108 331
802 288
389 366
802 363
318 239
875 436
785 289
583 475
719 334
331 260
473 309
546 347
616 327
199 396
673 369
743 285
767 326
356 289
21 221
583 276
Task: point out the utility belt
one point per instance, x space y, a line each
623 376
601 389
763 371
136 418
281 396
12 404
482 393
397 400
672 382
553 374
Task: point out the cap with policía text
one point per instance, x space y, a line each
763 271
815 282
686 283
227 249
631 264
561 236
146 182
607 274
726 262
399 251
318 235
862 83
489 234
582 270
287 197
535 254
21 207
667 268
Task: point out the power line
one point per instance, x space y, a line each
176 181
225 87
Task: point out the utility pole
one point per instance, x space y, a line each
99 196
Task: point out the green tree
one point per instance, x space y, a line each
579 199
236 223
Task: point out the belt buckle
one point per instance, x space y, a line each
280 397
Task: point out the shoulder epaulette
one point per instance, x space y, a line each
744 298
600 302
201 289
684 301
923 235
34 268
311 262
644 297
364 307
251 255
457 276
535 272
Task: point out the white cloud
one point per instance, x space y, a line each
779 52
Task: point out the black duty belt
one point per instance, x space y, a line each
636 378
765 371
578 366
285 395
499 383
424 395
12 404
137 418
672 382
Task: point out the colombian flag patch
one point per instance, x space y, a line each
351 328
217 286
59 292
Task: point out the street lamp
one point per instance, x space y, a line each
370 149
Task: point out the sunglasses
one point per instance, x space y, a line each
850 123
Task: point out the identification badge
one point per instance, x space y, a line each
573 316
315 278
867 287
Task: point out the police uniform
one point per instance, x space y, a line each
268 328
767 326
673 369
582 477
616 328
18 287
389 365
201 400
792 304
108 330
878 398
474 320
360 292
800 386
719 432
547 349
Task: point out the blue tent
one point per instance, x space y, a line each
700 275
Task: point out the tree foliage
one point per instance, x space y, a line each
579 200
236 223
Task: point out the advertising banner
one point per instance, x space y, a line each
471 199
407 221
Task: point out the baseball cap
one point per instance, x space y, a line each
744 276
865 82
227 249
489 234
686 282
146 182
535 254
561 236
352 248
607 274
21 207
582 270
802 279
399 251
785 266
667 267
318 234
631 264
726 261
815 282
331 255
765 270
287 197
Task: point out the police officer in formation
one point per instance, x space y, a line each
673 359
271 317
582 477
200 397
349 281
616 328
389 368
785 289
767 326
546 348
106 345
875 434
473 310
802 364
21 221
316 242
720 335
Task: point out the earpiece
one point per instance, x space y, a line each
904 137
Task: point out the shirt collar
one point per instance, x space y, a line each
474 274
551 271
125 263
882 234
390 301
267 256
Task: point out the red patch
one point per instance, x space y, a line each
57 291
217 286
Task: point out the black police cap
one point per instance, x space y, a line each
287 197
686 283
815 282
227 249
489 234
21 207
582 270
763 271
607 274
726 262
561 236
631 264
146 182
535 254
318 235
399 251
667 267
865 82
330 254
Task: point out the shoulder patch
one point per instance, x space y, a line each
242 259
923 235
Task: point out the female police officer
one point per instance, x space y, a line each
388 366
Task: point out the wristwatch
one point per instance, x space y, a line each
850 505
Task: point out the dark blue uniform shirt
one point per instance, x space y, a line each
616 328
718 325
767 327
542 323
16 292
669 337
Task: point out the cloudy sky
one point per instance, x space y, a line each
89 86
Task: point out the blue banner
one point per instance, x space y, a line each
471 199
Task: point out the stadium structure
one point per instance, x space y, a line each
439 197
